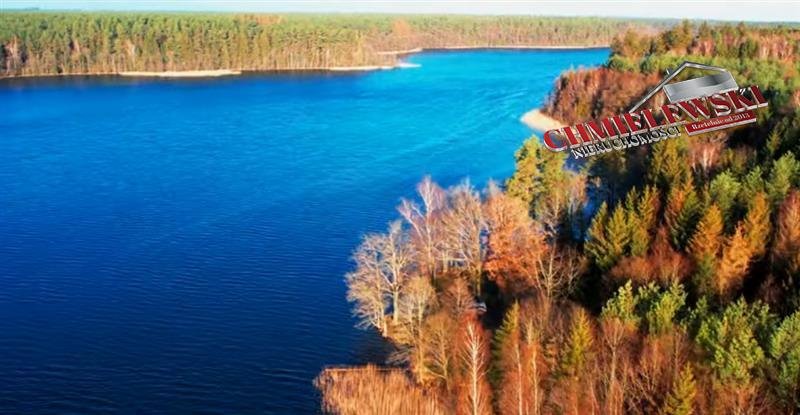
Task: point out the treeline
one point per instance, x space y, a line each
43 43
766 56
661 280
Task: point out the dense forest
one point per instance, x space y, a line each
665 279
41 43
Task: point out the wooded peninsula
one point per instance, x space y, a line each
61 43
660 280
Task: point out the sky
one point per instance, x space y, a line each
736 10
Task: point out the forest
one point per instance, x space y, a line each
661 280
54 43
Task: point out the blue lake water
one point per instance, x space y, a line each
179 246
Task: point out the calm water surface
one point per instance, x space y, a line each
179 246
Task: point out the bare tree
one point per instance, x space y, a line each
367 286
397 256
425 223
416 300
537 369
458 299
439 348
476 395
559 269
418 296
464 226
383 263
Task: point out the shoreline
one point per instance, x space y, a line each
536 120
182 74
213 73
479 47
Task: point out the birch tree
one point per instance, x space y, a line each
383 264
475 394
367 285
425 223
464 226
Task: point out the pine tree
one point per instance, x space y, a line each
724 191
752 183
648 207
707 239
511 376
680 400
596 237
540 180
784 350
786 251
704 248
578 345
733 266
757 226
730 340
639 236
667 168
785 172
660 307
682 213
622 306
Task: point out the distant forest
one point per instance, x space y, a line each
660 280
44 43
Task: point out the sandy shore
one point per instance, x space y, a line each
543 47
400 52
358 68
463 47
183 74
539 121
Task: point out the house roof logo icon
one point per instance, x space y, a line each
694 106
718 82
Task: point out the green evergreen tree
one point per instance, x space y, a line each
724 191
752 183
608 237
622 306
731 340
667 168
784 352
596 237
506 337
540 180
680 400
683 212
578 345
784 174
658 307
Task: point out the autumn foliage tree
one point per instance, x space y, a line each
658 280
515 245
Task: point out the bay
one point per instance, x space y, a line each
179 246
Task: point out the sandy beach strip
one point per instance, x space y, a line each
399 52
477 47
537 120
358 68
542 47
182 74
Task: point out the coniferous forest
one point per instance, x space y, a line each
43 43
664 279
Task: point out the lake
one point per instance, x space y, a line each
179 246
